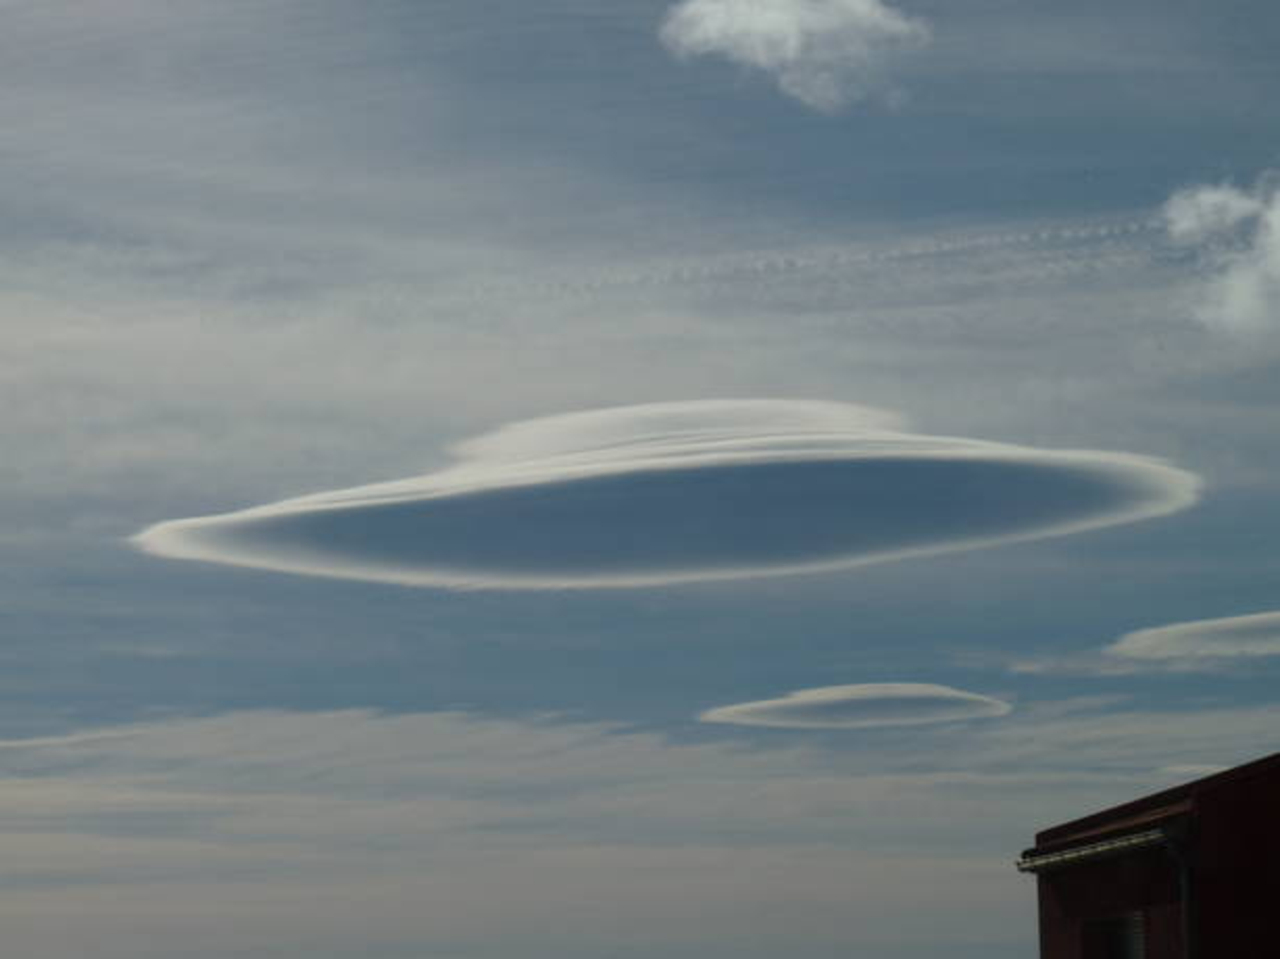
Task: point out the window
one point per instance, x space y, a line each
1120 937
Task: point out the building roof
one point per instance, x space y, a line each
1152 818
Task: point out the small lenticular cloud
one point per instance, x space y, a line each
1202 641
1237 233
675 492
861 707
825 53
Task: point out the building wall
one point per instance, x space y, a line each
1236 872
1145 881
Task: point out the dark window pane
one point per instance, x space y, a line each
1121 937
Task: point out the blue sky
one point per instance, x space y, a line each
831 441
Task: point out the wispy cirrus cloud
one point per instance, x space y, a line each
861 706
825 53
1237 233
672 492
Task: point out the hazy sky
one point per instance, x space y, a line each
563 480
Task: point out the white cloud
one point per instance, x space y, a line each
1201 213
681 491
1091 663
1206 645
1208 640
825 53
861 706
443 834
1237 231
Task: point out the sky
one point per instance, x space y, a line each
497 480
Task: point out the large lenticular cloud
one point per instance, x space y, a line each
673 492
861 706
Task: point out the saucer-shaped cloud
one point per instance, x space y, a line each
1235 637
860 706
673 492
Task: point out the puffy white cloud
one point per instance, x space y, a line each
682 491
1194 643
1201 213
826 53
1237 231
860 706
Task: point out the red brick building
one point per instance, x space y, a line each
1189 873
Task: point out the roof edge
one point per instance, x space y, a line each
1034 862
1099 821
